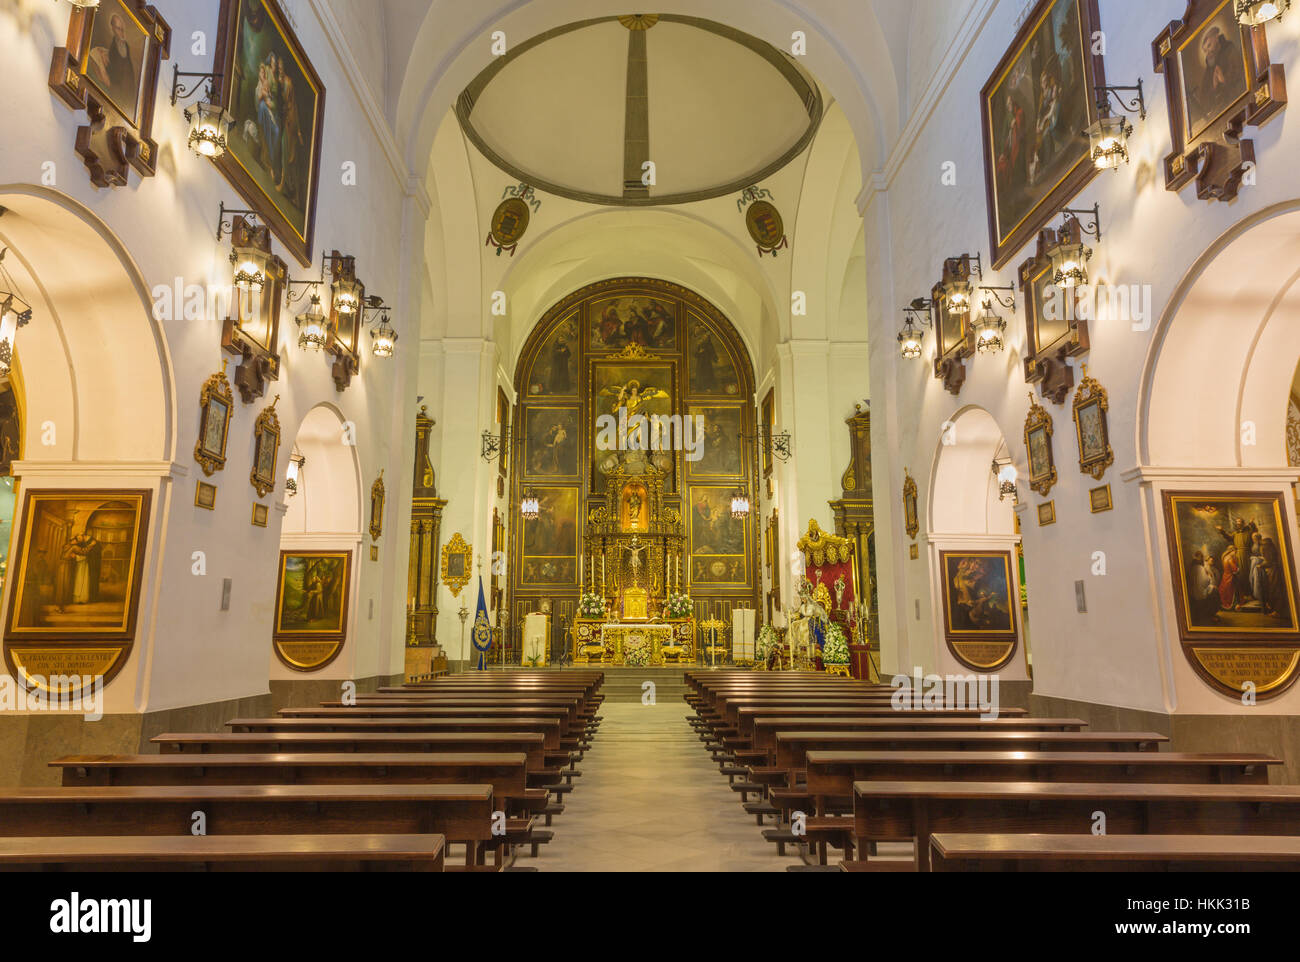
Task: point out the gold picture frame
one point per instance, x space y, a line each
260 514
377 497
216 402
911 520
311 607
1046 513
205 496
266 450
1038 445
457 557
1099 499
1092 427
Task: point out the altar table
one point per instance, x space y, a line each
616 639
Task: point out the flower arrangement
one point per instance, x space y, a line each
591 605
636 653
767 640
836 649
679 605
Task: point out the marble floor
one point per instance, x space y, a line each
650 799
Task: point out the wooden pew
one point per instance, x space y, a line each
431 720
832 774
224 853
448 731
573 723
1114 853
888 810
461 813
765 727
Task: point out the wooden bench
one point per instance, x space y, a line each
1114 853
224 853
461 813
916 810
448 733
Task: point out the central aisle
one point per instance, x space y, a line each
650 799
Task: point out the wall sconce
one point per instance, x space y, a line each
1069 255
1006 474
957 290
911 336
778 445
1109 135
313 326
740 504
990 326
345 291
250 247
1256 13
383 339
15 313
529 506
209 123
296 463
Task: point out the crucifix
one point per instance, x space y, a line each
635 551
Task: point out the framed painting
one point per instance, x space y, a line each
1038 444
205 496
550 541
109 68
911 520
457 556
377 498
252 331
715 450
277 104
216 401
555 368
710 370
260 514
768 419
1035 109
1054 328
1219 80
1234 587
311 607
77 565
1099 499
1046 513
621 394
1091 427
719 543
979 607
952 328
551 443
266 450
503 429
617 322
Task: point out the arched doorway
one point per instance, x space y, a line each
976 574
92 477
596 361
320 552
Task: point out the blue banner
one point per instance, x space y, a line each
481 636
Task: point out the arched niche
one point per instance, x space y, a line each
98 408
974 548
320 550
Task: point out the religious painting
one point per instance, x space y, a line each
457 556
647 322
979 592
550 541
719 554
624 396
260 514
1213 68
1038 444
311 607
109 68
769 427
77 565
116 58
711 372
1035 109
1046 513
1234 588
1091 404
1219 80
205 496
266 450
911 519
555 371
216 400
716 439
551 442
277 103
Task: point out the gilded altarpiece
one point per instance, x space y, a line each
423 653
633 394
855 519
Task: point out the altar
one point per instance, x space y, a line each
636 645
633 644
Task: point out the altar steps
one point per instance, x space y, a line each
625 685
